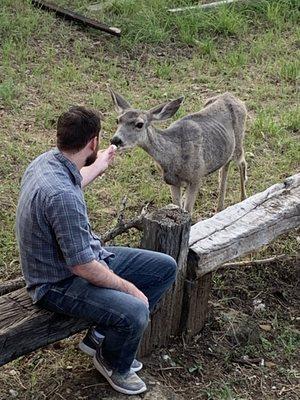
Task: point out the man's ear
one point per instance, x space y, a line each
165 111
119 102
93 143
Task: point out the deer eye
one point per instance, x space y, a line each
139 125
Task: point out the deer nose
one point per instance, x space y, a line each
116 141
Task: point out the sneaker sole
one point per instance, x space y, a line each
112 384
137 369
86 349
91 352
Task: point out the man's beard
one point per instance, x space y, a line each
91 159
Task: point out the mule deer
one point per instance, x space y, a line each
191 147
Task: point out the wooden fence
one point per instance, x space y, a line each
199 250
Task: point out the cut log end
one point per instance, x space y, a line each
169 216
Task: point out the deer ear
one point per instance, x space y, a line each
120 103
166 110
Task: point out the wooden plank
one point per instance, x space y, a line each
75 17
246 226
25 327
204 7
10 286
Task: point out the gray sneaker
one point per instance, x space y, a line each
128 383
92 340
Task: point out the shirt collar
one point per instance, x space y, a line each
70 165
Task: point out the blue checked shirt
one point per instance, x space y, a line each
52 226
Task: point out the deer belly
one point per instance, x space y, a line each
218 152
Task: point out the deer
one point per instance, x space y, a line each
191 147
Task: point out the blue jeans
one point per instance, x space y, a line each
120 317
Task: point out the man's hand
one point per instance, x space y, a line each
130 288
103 160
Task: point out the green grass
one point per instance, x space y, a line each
48 64
7 92
222 393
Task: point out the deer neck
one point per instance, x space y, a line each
156 145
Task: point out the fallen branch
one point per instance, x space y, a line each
122 226
75 17
203 6
281 257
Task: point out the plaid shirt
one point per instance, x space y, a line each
52 226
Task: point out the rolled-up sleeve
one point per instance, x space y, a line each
67 217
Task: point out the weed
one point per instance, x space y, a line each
45 117
7 92
222 393
289 339
207 46
290 71
163 70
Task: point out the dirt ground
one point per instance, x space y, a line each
249 348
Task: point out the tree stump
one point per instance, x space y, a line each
167 230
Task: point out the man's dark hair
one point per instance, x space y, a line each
76 127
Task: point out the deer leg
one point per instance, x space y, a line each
243 175
183 196
190 196
223 173
176 195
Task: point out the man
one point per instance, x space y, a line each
64 264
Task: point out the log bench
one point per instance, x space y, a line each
199 250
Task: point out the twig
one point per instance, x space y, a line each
122 210
249 361
123 226
263 261
59 395
95 384
203 6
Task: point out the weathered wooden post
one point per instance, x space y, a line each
234 232
195 298
167 230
